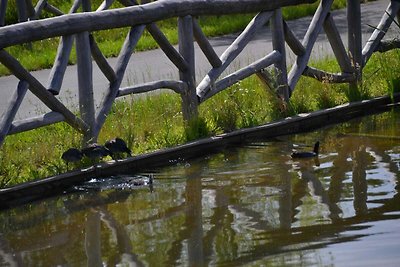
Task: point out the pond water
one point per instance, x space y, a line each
251 205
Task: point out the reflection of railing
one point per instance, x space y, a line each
80 27
188 211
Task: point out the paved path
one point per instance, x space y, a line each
154 65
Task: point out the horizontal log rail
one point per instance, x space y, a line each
78 28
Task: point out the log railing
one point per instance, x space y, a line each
78 27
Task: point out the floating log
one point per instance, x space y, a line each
177 86
40 91
130 16
328 77
205 45
337 45
378 136
13 106
233 51
308 42
380 31
243 73
36 122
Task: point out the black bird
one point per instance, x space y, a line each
72 155
117 147
95 151
312 154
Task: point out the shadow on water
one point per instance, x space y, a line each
248 205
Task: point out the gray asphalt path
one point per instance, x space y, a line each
154 65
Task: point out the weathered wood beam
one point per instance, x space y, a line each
186 49
22 11
105 5
40 91
337 45
3 9
354 41
13 106
233 51
39 8
292 41
165 46
387 45
52 9
243 73
205 45
29 8
85 84
130 16
60 64
308 42
177 86
101 60
122 62
380 30
36 122
267 79
75 6
278 44
328 77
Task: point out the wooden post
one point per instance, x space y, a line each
14 103
3 8
60 64
22 12
337 45
278 44
308 42
205 45
40 91
122 62
380 31
85 84
186 48
354 41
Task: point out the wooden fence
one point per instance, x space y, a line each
80 26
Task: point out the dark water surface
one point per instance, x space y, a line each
251 205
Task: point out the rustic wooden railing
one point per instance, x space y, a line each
79 27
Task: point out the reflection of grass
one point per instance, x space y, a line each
155 121
42 53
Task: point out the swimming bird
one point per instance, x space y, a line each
117 147
312 154
72 155
95 151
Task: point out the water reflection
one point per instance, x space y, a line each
246 205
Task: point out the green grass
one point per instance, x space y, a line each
155 121
41 54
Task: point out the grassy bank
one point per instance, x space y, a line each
41 54
36 153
